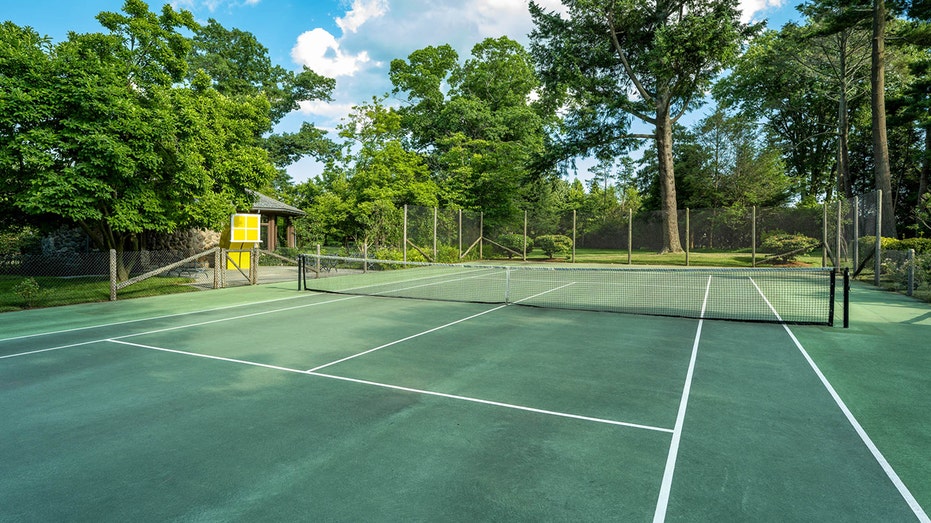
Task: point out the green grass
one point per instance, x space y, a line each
67 291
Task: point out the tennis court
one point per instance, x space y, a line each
265 403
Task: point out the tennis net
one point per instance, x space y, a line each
772 295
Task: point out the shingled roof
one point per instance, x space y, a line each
269 205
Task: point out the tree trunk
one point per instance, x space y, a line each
926 167
880 143
667 180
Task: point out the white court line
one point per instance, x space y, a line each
396 387
493 403
887 468
662 503
434 329
76 329
166 329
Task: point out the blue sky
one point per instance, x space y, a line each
350 40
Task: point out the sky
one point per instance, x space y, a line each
352 41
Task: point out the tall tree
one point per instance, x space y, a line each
483 133
769 83
611 61
121 145
239 65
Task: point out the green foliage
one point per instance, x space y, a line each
553 244
28 289
447 254
515 243
787 247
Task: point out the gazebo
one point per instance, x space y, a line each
272 210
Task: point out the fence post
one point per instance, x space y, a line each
837 233
223 254
824 234
525 236
911 271
318 262
573 235
687 236
481 235
856 232
630 235
254 273
365 257
460 234
877 248
112 275
434 234
753 237
404 246
217 267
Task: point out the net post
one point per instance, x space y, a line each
507 285
846 298
300 270
877 248
112 275
831 300
753 237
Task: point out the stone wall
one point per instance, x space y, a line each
192 240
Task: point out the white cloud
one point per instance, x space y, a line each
321 51
750 8
362 11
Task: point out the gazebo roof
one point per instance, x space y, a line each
268 205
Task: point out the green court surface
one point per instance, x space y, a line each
265 403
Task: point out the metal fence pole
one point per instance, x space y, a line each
687 237
877 248
630 234
524 241
434 234
911 271
460 234
481 234
404 240
753 237
824 234
856 232
573 235
840 205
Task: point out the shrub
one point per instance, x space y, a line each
787 247
553 244
28 289
514 242
447 254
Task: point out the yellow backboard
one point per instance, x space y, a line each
245 228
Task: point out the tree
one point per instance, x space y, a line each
768 83
120 145
612 61
239 66
480 137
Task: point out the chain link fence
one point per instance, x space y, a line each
40 280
